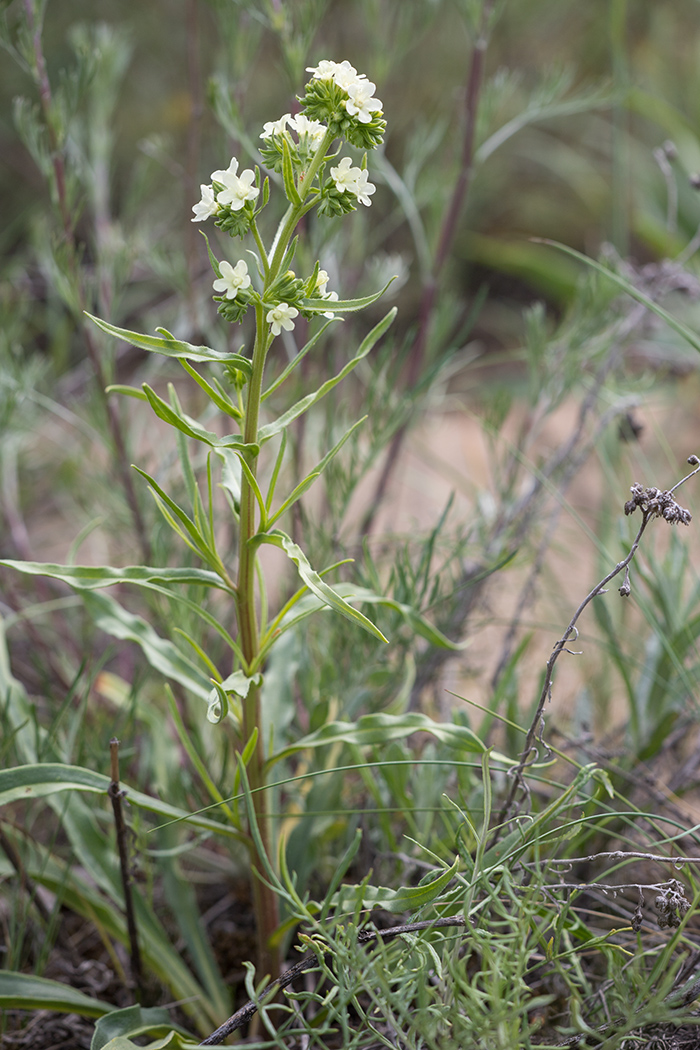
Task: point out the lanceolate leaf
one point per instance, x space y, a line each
690 337
407 898
169 346
24 991
310 604
93 577
315 584
266 432
344 306
308 481
161 654
379 728
47 778
190 427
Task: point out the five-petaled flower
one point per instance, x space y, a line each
207 207
361 104
275 127
237 188
232 278
352 180
281 316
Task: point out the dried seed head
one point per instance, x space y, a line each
671 904
661 504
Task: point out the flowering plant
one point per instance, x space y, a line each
339 106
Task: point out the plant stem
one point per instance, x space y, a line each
120 825
264 899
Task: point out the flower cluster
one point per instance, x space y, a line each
653 501
339 103
310 134
231 199
344 99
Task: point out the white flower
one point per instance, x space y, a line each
224 177
354 180
342 73
281 316
322 280
361 104
314 130
207 206
325 70
239 190
275 127
345 176
347 76
232 278
364 188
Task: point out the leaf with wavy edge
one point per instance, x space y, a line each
168 345
93 577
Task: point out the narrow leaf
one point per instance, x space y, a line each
171 347
266 432
315 584
93 577
344 306
691 337
22 991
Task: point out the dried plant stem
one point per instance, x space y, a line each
650 507
308 961
122 832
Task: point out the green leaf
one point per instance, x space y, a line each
41 779
113 619
171 347
376 730
126 391
21 991
316 585
295 361
308 481
221 400
197 541
344 306
94 577
290 189
691 337
114 1030
190 427
266 432
410 898
310 604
